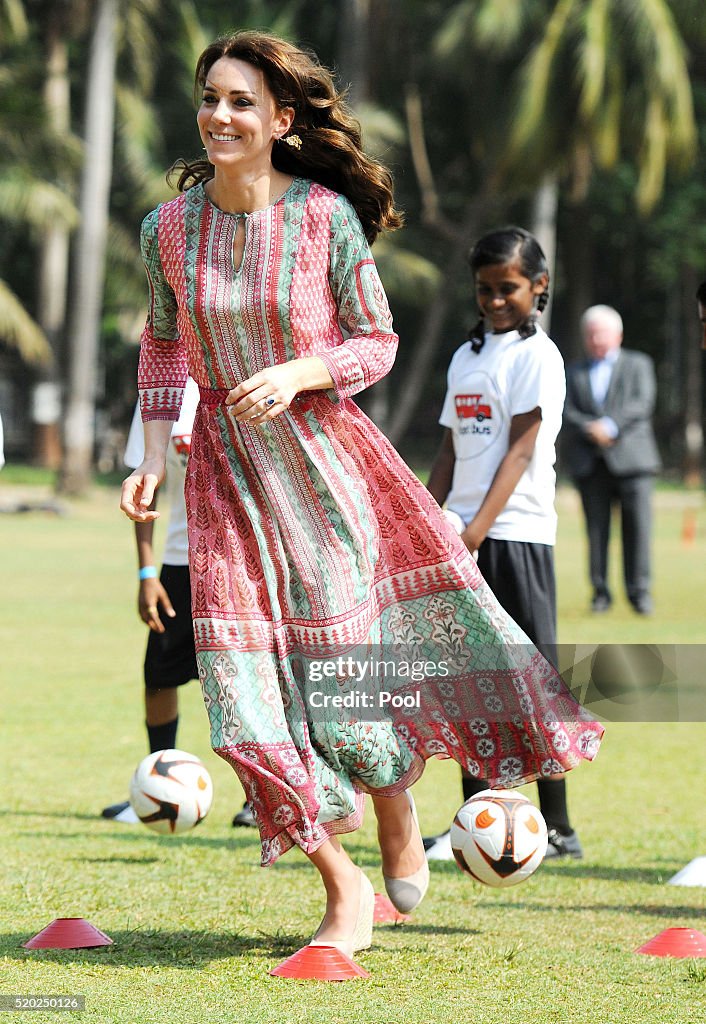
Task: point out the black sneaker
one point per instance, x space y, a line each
245 818
438 847
559 845
121 812
429 841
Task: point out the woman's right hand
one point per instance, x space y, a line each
138 490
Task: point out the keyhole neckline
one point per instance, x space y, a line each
243 215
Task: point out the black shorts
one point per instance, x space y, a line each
521 575
170 658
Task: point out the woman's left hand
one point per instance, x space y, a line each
266 394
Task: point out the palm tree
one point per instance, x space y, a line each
600 79
608 79
59 23
90 253
13 21
456 151
28 203
606 76
31 152
409 277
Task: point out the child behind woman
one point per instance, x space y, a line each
495 466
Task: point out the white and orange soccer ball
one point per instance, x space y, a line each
171 791
499 837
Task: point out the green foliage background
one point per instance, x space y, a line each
512 93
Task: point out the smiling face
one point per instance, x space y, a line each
238 118
505 296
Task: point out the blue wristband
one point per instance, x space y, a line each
147 572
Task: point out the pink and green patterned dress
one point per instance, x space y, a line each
310 538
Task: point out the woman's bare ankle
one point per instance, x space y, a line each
400 846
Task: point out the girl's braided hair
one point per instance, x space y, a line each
508 245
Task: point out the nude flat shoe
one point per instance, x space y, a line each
362 936
408 892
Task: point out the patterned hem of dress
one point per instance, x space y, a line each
274 847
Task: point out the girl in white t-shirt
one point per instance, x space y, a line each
495 467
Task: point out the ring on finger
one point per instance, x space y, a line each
269 402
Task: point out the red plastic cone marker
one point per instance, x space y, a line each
321 963
681 942
68 933
386 911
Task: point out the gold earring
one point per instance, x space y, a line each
294 141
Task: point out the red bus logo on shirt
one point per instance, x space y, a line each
182 443
182 446
470 407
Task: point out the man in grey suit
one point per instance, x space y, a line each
611 452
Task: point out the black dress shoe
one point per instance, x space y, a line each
245 818
600 603
122 812
643 605
559 845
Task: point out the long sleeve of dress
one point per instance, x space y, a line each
162 368
368 352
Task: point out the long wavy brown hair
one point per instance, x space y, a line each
331 152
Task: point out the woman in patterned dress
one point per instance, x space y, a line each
309 537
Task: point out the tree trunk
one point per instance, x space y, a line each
578 260
354 73
670 378
424 352
89 268
544 210
353 49
693 397
53 268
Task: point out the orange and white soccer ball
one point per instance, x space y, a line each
499 837
171 791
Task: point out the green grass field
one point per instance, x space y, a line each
197 924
